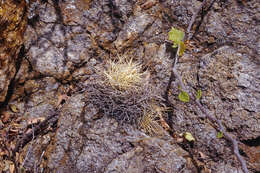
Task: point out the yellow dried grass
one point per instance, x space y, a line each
149 122
124 74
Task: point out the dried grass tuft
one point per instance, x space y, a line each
124 74
150 121
123 92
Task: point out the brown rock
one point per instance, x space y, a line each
12 26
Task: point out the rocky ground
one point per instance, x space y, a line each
50 51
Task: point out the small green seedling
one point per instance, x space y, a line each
177 36
184 96
199 94
219 135
188 136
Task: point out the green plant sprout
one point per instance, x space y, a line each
177 36
219 135
184 96
199 94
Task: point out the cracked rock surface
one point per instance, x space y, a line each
66 43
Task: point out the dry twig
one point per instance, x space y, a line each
218 122
50 120
30 148
197 102
194 16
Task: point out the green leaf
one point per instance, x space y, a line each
184 96
182 48
199 94
176 36
188 136
219 135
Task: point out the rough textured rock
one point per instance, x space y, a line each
132 30
222 74
13 19
68 42
238 29
86 144
41 99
